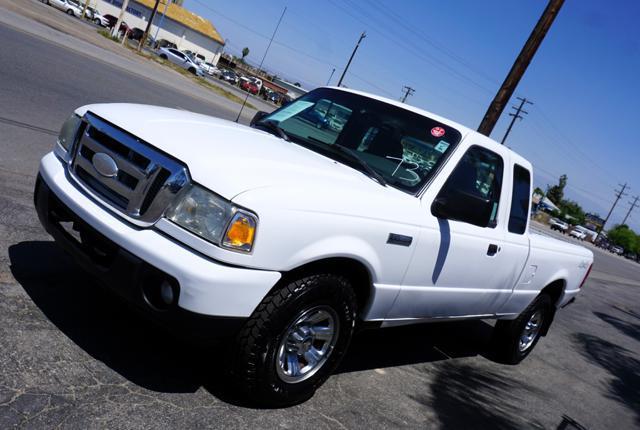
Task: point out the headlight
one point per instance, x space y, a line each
69 131
214 219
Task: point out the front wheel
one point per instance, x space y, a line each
295 339
515 339
70 12
97 21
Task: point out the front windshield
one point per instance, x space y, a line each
402 146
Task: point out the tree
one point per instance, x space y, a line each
245 52
623 236
573 209
556 193
538 191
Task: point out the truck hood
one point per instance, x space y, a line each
229 158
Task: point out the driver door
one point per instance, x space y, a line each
458 267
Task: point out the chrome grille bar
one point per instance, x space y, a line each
145 180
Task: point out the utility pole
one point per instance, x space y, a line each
166 6
143 39
516 116
331 76
408 91
519 67
633 205
618 195
116 28
266 51
344 72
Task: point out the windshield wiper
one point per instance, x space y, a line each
354 157
372 173
271 125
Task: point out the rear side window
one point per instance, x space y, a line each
519 200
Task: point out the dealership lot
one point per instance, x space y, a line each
74 357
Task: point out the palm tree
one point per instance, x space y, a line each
245 52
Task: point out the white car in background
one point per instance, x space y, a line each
210 69
67 6
578 234
94 15
180 59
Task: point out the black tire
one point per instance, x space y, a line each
70 12
192 70
255 357
507 333
97 22
163 56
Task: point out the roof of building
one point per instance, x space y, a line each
187 18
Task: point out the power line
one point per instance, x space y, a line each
408 91
515 116
618 195
633 205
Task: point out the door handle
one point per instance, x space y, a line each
493 249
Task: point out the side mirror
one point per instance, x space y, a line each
257 117
460 206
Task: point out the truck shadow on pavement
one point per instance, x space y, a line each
151 357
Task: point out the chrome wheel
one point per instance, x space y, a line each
307 344
531 331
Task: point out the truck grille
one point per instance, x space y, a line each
143 180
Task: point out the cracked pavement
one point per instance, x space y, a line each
72 356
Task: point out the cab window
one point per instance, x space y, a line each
519 200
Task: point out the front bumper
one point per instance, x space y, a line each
204 286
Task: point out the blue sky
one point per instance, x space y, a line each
584 80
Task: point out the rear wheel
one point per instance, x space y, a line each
70 12
163 56
295 339
192 70
515 339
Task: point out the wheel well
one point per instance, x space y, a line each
554 290
356 272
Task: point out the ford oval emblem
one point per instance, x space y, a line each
104 164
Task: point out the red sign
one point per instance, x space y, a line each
437 131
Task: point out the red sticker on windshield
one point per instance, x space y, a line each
437 131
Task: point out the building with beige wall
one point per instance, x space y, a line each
180 26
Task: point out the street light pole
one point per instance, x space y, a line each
344 72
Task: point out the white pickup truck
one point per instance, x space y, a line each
339 210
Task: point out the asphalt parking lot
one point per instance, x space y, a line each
71 356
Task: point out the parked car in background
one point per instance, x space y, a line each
164 43
249 86
210 69
67 6
180 59
135 33
112 21
578 234
558 225
616 249
94 15
229 76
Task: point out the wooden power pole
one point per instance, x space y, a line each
519 67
